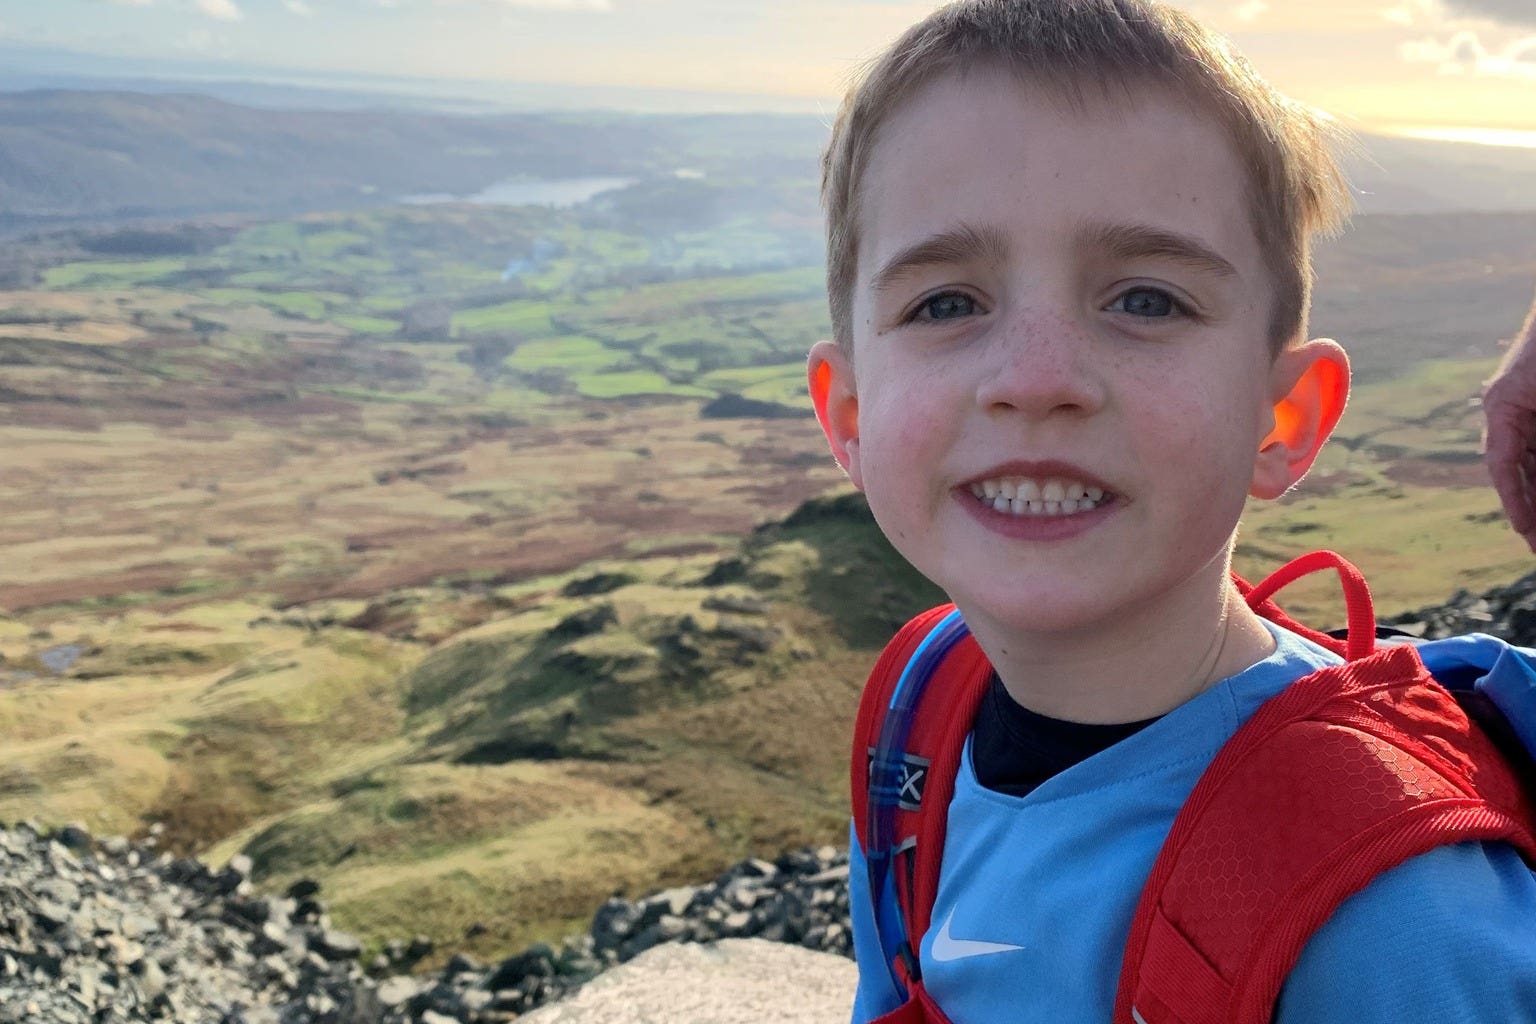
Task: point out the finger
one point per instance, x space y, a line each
1512 464
1518 506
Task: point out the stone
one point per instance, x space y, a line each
303 889
336 945
461 963
613 922
735 981
397 991
538 962
75 838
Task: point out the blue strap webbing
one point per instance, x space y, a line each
885 777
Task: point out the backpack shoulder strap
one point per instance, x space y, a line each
1348 772
930 760
875 701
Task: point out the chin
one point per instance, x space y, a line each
1040 611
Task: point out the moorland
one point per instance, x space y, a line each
478 560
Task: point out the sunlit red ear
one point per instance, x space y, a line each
1310 383
830 377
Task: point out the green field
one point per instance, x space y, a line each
110 274
571 321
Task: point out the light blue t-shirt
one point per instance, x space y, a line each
1050 882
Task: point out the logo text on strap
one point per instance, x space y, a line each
911 775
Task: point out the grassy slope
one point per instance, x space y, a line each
693 713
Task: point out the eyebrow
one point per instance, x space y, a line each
960 244
1139 241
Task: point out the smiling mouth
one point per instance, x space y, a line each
1048 496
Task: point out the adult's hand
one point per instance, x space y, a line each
1509 436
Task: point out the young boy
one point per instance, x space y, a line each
1069 274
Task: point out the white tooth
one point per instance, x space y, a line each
1007 489
1086 505
1068 507
1052 507
1053 491
1036 508
1016 507
977 490
1075 491
989 488
1095 493
1000 503
1029 490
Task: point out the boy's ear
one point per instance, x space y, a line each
1309 386
830 376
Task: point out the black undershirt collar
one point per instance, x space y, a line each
1014 749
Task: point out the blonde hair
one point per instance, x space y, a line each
1297 190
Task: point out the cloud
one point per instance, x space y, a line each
223 10
299 7
1411 12
535 5
1251 9
1464 53
1516 12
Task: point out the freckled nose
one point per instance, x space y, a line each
1041 367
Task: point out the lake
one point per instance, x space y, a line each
523 192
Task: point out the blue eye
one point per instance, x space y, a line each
945 306
1147 302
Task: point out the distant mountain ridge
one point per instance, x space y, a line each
71 155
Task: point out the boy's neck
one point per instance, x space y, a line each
1139 667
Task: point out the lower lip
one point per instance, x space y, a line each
1036 528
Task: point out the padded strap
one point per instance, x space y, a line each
966 675
933 747
1347 773
877 694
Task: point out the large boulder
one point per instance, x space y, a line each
734 981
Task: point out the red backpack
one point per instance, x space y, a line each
1390 763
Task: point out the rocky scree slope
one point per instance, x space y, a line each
102 930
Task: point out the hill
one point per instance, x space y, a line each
612 727
76 155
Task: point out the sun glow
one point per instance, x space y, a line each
1522 138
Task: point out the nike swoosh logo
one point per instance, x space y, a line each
946 947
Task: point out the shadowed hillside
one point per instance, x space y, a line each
625 723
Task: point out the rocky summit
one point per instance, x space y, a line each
1508 612
102 930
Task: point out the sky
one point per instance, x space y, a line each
1452 68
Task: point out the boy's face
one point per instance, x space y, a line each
1056 303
